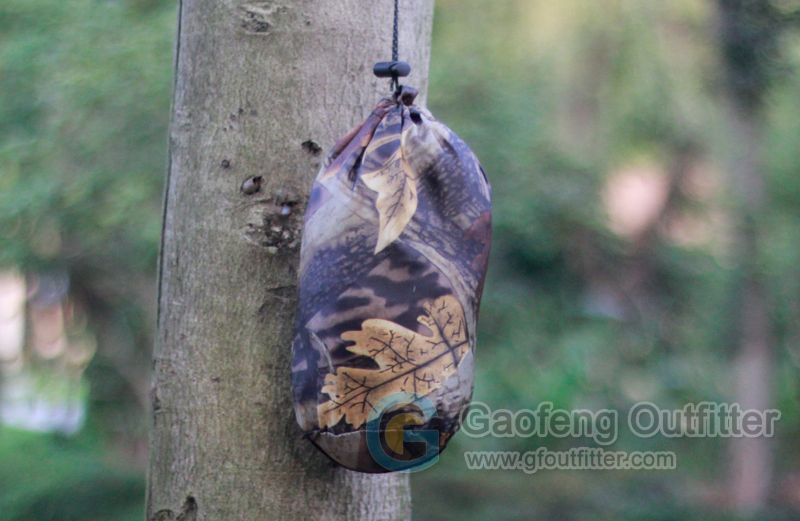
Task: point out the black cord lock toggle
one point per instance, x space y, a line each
391 69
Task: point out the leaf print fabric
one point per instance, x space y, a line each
393 259
407 362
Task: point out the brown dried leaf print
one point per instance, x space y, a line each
407 362
397 197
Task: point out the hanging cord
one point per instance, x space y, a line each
394 69
395 55
395 45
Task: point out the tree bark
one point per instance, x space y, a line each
261 89
750 479
749 38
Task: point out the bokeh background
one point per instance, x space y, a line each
645 163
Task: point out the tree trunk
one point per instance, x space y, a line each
261 89
750 477
749 37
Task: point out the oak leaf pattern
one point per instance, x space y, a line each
407 361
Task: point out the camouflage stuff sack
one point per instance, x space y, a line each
394 255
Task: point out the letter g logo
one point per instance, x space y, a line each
396 437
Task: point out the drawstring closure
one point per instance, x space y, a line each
394 69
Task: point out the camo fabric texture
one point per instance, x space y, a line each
394 255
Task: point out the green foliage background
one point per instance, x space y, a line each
555 98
